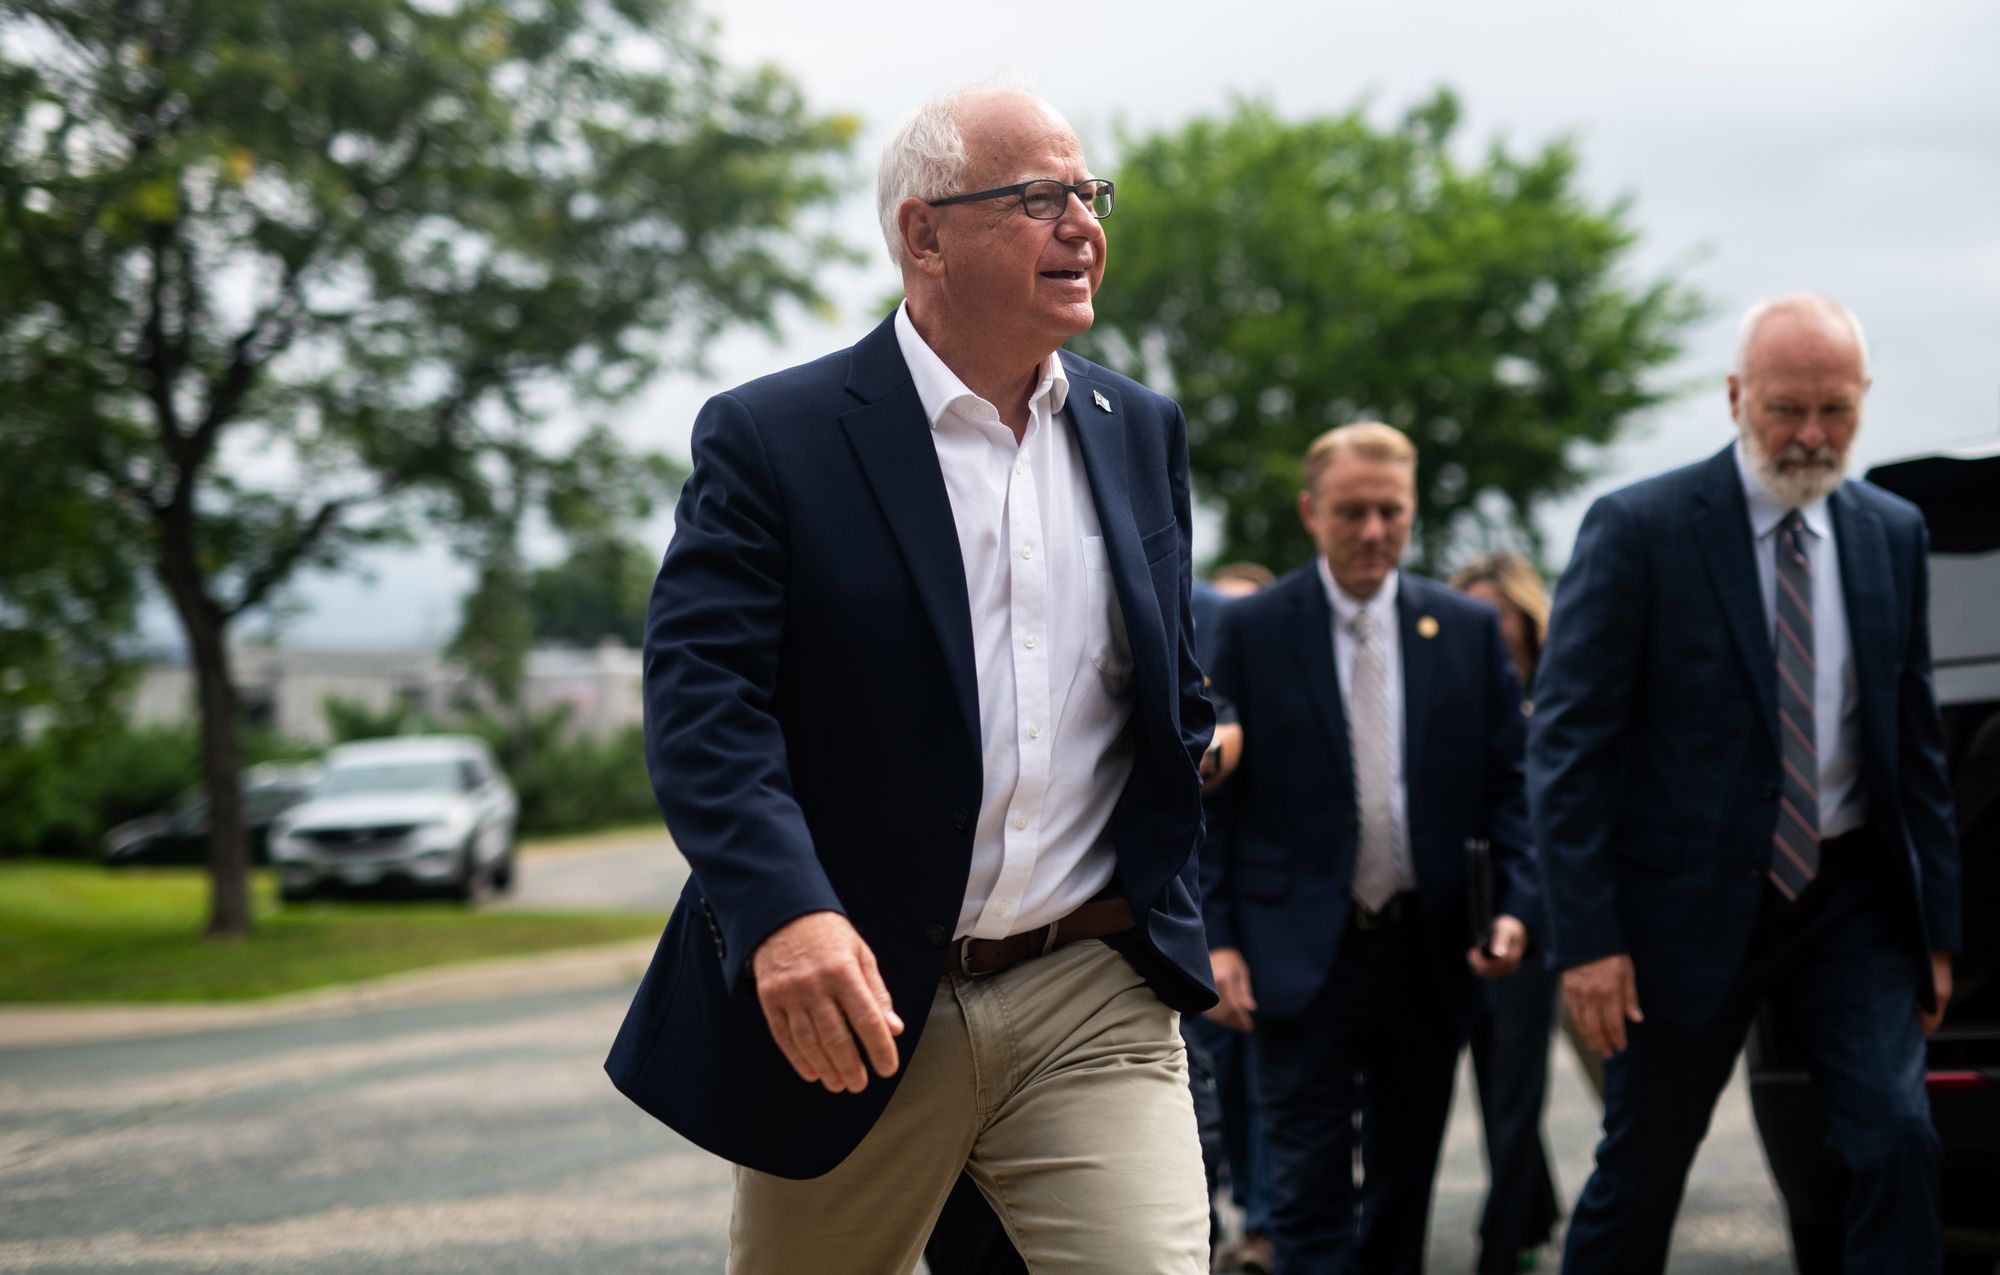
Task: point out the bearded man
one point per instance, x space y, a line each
1738 788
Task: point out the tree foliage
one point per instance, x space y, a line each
283 280
1282 278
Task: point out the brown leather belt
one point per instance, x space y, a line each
1093 920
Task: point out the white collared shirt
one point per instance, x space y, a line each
1389 632
1836 695
1049 648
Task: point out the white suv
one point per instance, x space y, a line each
426 810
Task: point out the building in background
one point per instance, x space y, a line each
286 691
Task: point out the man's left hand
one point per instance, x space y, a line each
1941 984
1503 951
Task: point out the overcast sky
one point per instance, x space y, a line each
1845 147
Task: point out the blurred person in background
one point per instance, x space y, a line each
1382 730
1510 1030
1739 792
923 713
1227 1056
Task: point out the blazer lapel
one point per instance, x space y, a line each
1722 528
1311 631
1100 428
1419 674
1862 547
892 439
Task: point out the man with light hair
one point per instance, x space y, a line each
924 716
1381 734
1738 785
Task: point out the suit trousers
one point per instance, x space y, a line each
1841 978
1381 1039
1510 1062
1060 1086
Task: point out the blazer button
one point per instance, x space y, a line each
961 818
937 936
1768 792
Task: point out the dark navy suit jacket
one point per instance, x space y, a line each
1280 854
812 726
1653 756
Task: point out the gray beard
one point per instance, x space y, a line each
1801 485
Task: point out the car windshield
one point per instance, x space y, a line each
406 776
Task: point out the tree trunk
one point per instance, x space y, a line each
222 773
207 630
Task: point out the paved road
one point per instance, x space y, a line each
637 871
480 1134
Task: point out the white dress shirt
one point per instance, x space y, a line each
1836 696
1388 632
1049 648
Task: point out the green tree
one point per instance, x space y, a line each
1282 278
598 592
290 279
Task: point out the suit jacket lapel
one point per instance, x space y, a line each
1722 528
1311 629
1419 673
1100 437
1865 576
892 440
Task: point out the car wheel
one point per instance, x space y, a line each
503 872
464 884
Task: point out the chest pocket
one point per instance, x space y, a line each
1104 627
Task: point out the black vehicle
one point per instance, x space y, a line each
180 834
1956 491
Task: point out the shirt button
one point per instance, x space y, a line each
1027 551
1034 731
1029 641
1020 821
999 909
1020 469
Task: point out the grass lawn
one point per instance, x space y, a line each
80 932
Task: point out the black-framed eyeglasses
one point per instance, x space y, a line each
1045 198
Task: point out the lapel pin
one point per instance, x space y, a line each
1097 397
1427 626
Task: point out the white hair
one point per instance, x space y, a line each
1794 302
925 158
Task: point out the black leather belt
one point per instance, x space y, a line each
1394 912
1093 920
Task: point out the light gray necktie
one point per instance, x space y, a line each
1368 737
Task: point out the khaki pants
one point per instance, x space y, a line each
1061 1086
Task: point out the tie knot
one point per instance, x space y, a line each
1362 625
1794 524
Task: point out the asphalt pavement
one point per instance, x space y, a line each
461 1122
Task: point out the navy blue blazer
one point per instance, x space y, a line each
1653 751
1280 855
812 726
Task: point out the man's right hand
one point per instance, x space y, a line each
820 990
1232 984
1603 997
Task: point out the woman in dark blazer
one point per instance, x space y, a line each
1510 1035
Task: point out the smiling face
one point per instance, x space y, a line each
1026 285
1797 402
1359 512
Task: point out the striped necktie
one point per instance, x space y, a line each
1795 856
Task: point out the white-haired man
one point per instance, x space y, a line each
1738 791
924 716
